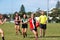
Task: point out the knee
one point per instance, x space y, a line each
1 31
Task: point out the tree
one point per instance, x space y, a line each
5 16
58 8
22 9
38 12
29 13
55 12
58 5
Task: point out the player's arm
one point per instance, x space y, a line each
3 21
39 19
28 20
14 20
19 19
46 20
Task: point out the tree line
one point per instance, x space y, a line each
54 13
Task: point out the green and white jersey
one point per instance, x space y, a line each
24 20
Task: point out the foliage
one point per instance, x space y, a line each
58 5
22 10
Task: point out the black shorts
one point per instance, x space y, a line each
24 26
35 29
43 26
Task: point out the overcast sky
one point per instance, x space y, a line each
9 6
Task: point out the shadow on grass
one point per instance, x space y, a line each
52 37
45 37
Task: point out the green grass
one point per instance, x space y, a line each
52 32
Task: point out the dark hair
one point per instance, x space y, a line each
5 16
26 16
15 15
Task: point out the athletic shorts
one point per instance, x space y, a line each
24 26
35 29
43 26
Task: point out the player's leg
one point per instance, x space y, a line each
41 29
2 34
16 29
23 33
23 30
35 34
44 30
41 32
19 29
26 32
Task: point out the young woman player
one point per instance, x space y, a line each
24 25
32 22
17 23
2 22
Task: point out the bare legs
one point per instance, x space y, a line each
17 27
24 32
2 34
36 34
42 32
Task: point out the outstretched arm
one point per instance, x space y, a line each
3 21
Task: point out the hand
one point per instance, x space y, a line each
46 22
4 20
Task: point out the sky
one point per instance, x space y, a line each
10 6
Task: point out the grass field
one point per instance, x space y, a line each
52 33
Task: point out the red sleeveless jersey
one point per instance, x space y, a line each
31 22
